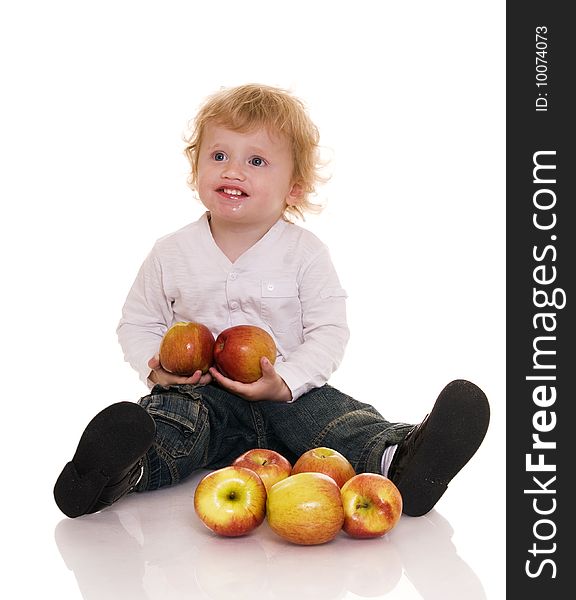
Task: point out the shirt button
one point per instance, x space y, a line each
233 276
234 305
270 287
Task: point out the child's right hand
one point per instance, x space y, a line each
164 378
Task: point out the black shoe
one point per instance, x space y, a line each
433 452
108 461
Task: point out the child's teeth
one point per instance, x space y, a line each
232 192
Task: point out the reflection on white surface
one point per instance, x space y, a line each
152 546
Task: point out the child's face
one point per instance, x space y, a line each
245 178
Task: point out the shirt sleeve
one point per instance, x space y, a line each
146 316
324 327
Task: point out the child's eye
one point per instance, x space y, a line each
257 161
219 156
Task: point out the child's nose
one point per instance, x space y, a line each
233 170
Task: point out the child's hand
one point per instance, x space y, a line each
164 378
269 387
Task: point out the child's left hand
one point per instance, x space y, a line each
269 387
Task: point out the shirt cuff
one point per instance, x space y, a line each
292 376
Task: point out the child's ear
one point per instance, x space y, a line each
295 194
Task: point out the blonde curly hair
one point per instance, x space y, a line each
251 106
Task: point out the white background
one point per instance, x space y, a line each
409 99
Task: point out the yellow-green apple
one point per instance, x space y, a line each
187 347
305 509
231 501
238 350
270 465
372 505
327 461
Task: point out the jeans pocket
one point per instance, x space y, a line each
181 421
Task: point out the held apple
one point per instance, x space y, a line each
327 461
186 348
372 505
305 509
238 350
270 465
231 501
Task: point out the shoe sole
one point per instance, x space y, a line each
114 440
454 431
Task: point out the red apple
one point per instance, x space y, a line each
231 501
186 348
270 465
327 461
372 505
305 509
238 350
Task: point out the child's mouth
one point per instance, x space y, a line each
232 194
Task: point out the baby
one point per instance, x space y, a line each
254 163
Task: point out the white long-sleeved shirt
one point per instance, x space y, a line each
285 283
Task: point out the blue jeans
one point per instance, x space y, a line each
206 427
